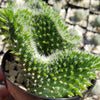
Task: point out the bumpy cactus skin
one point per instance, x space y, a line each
65 75
39 38
79 15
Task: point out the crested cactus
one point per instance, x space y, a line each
63 76
97 21
79 15
44 48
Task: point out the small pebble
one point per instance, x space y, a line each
88 47
11 67
20 2
97 74
89 36
96 49
12 78
96 89
27 82
22 87
20 78
95 97
62 13
13 72
51 2
88 98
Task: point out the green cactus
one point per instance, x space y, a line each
97 21
79 15
96 39
47 51
64 75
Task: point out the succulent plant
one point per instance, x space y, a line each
47 51
44 27
97 21
79 15
96 39
65 75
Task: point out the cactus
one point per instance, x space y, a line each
97 21
47 51
79 15
64 75
96 39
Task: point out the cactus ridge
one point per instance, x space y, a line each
47 51
48 39
64 70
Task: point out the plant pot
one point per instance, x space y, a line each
18 94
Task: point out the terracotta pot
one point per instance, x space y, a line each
19 94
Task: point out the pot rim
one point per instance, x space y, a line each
44 98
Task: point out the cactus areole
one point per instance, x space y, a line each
43 46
